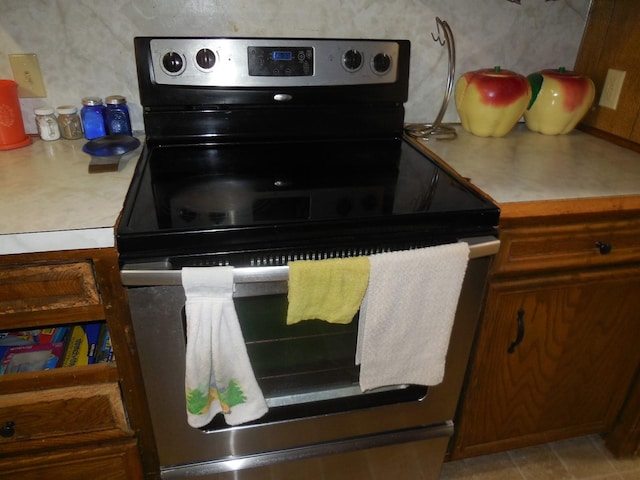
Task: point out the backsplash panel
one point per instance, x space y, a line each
85 47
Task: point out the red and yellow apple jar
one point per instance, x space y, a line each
490 101
560 99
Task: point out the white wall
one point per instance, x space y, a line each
85 46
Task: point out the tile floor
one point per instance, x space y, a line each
584 458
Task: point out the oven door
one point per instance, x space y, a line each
306 372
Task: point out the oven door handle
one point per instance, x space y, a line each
251 281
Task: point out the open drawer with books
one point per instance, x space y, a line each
61 388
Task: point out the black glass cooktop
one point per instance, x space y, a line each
213 201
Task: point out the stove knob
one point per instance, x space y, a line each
381 63
205 59
352 60
173 63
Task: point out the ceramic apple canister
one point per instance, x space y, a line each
560 99
491 101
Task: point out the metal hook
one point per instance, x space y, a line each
436 129
439 37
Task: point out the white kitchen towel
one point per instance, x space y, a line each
218 373
407 315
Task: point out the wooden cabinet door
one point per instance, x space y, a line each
569 373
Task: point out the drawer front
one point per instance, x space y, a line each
34 288
48 415
570 246
110 461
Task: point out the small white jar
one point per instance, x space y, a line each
47 124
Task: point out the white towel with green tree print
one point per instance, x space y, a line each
218 374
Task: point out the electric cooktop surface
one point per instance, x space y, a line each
268 193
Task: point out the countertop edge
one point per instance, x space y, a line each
80 239
575 209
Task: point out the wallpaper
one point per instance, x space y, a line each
85 46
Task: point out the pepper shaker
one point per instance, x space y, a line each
117 116
70 124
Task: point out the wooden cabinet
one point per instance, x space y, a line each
73 422
61 415
557 350
612 41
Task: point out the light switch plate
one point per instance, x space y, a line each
612 88
26 72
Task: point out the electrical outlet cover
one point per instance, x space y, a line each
612 88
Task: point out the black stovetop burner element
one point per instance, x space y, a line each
246 169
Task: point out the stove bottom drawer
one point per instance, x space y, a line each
416 453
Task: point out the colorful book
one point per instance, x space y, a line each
92 333
52 334
82 344
27 358
105 348
77 348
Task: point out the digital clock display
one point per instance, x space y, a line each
282 55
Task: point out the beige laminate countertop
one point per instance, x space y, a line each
524 166
49 200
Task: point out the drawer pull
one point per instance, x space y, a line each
7 429
603 247
520 334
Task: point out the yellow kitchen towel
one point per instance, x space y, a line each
329 290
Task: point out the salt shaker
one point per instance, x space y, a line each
117 116
92 114
70 124
47 125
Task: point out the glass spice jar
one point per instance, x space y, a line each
92 114
46 123
117 116
69 121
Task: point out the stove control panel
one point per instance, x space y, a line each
247 62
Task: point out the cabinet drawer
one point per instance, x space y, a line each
110 461
32 288
61 415
568 246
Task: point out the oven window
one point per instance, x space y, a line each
305 369
294 360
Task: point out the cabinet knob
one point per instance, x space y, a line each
7 429
603 247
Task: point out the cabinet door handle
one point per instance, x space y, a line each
520 335
7 429
603 247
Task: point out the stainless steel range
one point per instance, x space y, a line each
260 152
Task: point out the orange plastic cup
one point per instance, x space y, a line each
11 127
